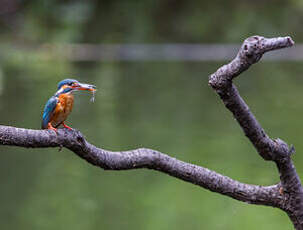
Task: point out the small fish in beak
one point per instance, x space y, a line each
83 86
93 96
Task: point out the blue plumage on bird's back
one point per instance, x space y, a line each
48 111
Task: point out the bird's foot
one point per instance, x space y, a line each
66 126
49 126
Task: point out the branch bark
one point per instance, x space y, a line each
286 195
273 150
142 158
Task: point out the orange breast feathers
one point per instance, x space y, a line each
63 109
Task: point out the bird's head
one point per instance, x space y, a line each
70 85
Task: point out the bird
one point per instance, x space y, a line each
60 105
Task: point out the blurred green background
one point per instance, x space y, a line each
164 105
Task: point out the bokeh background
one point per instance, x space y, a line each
162 104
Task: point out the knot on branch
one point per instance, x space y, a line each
252 49
79 137
72 139
219 83
275 150
281 151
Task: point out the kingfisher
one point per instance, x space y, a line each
59 106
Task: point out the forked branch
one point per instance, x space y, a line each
286 195
274 150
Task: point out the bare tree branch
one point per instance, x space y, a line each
141 158
287 195
274 150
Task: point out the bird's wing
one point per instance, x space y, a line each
48 111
